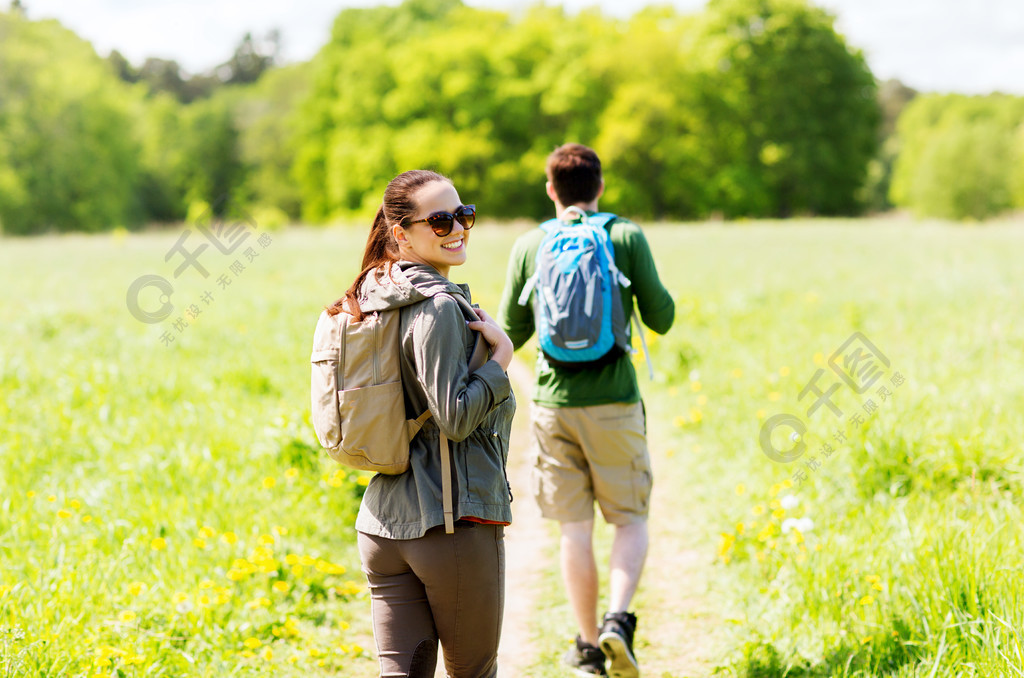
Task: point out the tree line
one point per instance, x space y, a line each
749 108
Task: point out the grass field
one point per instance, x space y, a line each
165 511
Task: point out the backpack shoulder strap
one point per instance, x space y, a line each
550 225
602 219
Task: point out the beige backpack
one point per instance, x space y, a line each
358 405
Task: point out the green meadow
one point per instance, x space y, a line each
165 509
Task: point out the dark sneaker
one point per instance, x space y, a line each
617 643
585 659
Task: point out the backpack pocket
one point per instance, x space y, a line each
374 433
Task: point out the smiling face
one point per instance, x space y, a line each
417 242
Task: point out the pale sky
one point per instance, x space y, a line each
969 46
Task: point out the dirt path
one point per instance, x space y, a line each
682 631
528 542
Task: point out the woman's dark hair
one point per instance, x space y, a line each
574 171
381 248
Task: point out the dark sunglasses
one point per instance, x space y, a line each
442 223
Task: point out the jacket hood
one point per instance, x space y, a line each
403 284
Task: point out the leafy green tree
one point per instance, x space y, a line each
790 108
68 160
959 156
264 114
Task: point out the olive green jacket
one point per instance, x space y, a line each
473 410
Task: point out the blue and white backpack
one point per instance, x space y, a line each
577 305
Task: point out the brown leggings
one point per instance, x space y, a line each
447 587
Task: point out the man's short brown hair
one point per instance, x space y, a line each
574 171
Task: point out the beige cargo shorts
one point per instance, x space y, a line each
587 454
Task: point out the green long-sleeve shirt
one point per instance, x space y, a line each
612 383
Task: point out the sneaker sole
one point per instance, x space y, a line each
623 663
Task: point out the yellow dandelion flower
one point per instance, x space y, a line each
314 653
761 556
30 494
75 504
207 584
819 358
52 498
739 528
779 513
695 386
787 483
702 400
736 373
137 588
207 532
679 421
344 626
252 643
336 480
269 482
135 660
817 547
281 586
761 414
775 396
297 571
725 546
866 600
63 514
872 579
199 543
267 654
740 490
673 391
878 587
758 510
265 540
179 598
87 518
158 544
294 659
783 371
229 538
280 530
321 663
127 617
291 473
363 480
865 640
204 600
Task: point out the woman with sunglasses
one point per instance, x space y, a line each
428 585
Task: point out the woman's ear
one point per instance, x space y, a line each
398 233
